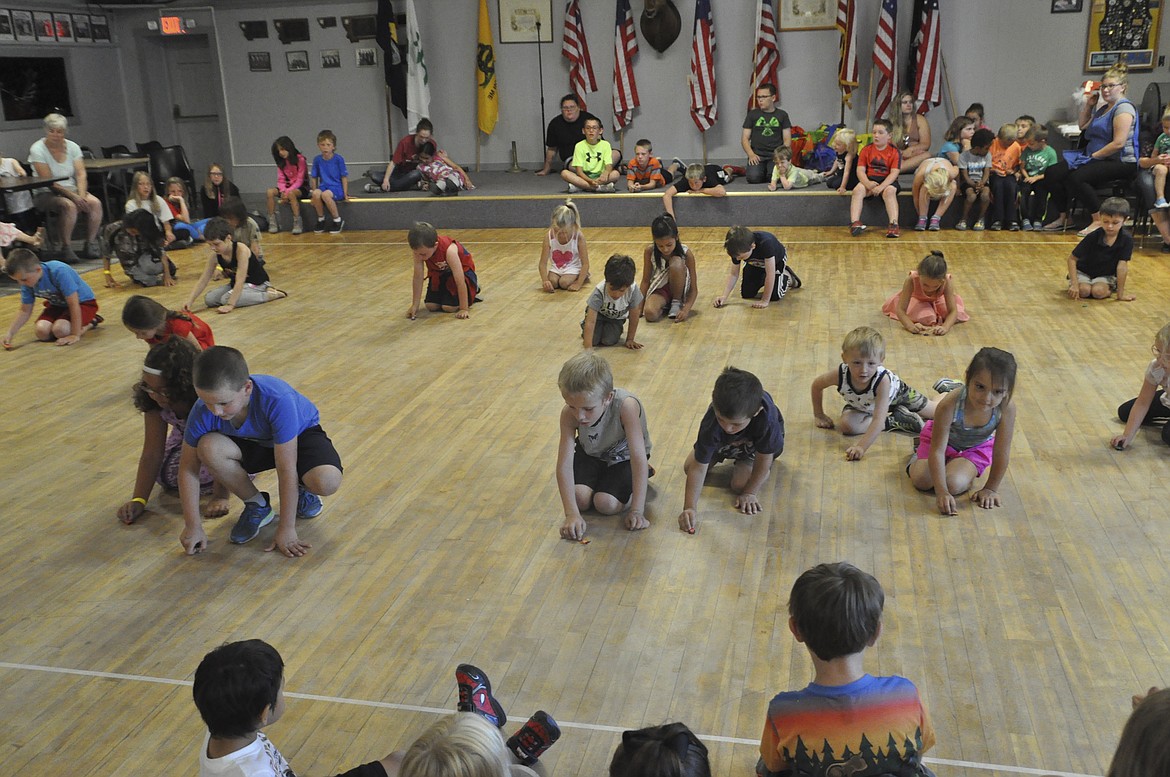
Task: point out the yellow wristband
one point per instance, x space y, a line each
107 272
139 500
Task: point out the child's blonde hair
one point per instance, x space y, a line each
937 183
694 172
782 154
464 745
846 137
933 266
866 340
585 373
1162 339
1008 132
565 216
148 204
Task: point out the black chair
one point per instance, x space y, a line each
170 162
148 146
109 152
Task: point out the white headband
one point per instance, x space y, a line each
151 370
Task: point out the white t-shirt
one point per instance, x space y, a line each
39 152
157 206
259 759
1158 377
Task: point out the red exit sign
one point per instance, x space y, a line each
172 25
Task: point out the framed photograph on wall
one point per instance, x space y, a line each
259 61
526 21
22 25
63 25
99 28
1123 31
330 58
807 14
43 25
366 57
298 61
1067 6
6 31
81 27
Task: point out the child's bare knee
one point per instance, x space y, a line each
606 504
323 480
44 330
584 496
1101 291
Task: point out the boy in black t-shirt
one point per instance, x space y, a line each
1099 265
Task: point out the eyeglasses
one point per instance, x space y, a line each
216 172
164 393
1110 86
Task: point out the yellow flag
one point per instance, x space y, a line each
485 74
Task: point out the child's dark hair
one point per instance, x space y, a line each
422 235
644 143
1115 206
1001 365
982 138
975 108
427 148
327 135
233 209
141 312
620 271
738 240
220 367
233 685
285 142
933 266
889 125
672 750
1025 117
175 359
1037 132
21 260
737 393
664 225
146 224
957 126
836 609
1144 748
217 229
424 124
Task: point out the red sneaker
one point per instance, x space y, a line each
534 737
475 695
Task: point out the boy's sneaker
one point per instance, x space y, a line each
978 226
793 280
893 231
337 225
252 520
1161 203
920 225
1027 225
675 307
903 419
608 188
946 385
273 227
309 505
96 321
475 695
935 224
961 225
573 189
298 226
995 226
1014 227
372 188
320 226
533 738
682 166
856 228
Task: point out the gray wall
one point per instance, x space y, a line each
1013 55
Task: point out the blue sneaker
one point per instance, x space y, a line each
308 504
252 520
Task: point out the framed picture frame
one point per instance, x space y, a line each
330 58
44 27
6 31
1068 6
81 28
22 26
1122 32
99 28
298 61
259 62
366 57
525 21
63 26
807 14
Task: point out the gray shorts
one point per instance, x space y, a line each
1109 279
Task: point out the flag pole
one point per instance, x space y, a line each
704 136
869 97
477 134
947 80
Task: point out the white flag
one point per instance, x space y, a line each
418 92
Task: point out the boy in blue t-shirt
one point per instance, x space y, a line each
243 424
70 307
329 180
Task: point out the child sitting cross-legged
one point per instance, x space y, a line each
835 610
875 398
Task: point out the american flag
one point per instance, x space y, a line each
704 105
927 62
885 55
576 50
625 46
847 68
767 52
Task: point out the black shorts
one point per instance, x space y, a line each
617 480
896 186
314 448
441 295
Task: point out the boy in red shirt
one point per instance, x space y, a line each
877 176
448 268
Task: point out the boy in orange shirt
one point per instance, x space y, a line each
877 176
1005 167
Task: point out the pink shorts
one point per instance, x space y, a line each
980 455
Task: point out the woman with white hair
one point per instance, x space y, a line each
55 156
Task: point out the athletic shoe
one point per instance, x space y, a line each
961 225
435 189
337 226
607 187
856 228
1014 227
1161 203
978 226
903 419
675 307
946 385
320 226
252 520
794 281
97 319
298 226
934 224
372 188
1027 225
533 738
1166 248
682 166
273 227
309 505
475 695
920 226
574 189
893 231
995 226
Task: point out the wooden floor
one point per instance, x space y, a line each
1027 627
